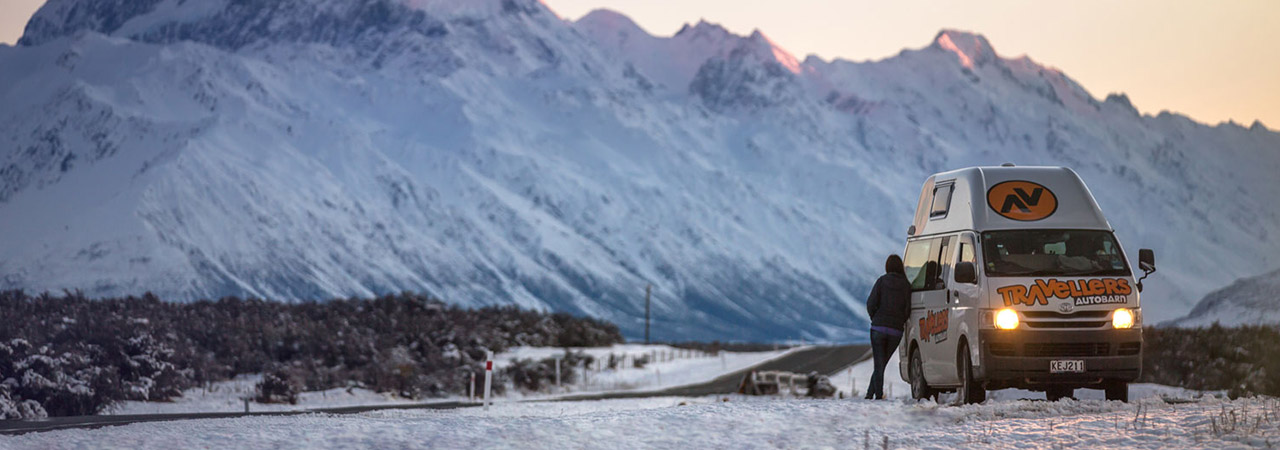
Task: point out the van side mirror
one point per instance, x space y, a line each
966 273
1147 260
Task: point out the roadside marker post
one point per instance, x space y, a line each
488 378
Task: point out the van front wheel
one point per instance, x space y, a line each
1117 390
970 390
919 387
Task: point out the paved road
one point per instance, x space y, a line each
826 360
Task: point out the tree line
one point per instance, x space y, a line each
70 355
1239 360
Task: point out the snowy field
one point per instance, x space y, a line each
225 396
856 378
1159 417
678 367
668 366
722 422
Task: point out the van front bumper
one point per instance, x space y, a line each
1020 358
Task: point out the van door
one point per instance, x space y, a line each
930 295
967 299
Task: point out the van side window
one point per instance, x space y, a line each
938 262
966 253
919 253
941 200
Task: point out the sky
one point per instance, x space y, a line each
1213 60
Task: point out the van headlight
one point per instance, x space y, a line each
1007 319
1122 318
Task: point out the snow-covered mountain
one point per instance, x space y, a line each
1248 301
490 152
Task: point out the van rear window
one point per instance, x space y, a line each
1068 253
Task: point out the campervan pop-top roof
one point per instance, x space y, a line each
1001 198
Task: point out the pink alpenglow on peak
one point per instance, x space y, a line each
781 55
971 49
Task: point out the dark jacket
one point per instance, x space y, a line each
890 302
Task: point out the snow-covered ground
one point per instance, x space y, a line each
226 396
857 377
677 367
723 422
668 366
1159 417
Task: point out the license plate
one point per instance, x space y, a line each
1066 366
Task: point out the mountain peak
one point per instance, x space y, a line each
604 20
703 29
781 55
971 49
606 16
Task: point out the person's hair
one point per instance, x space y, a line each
893 264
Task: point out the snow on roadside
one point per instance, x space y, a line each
683 367
677 368
858 377
739 422
226 396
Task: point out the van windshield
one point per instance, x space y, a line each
1068 253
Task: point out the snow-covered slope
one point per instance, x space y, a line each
491 153
1247 301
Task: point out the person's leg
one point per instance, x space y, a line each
879 358
890 346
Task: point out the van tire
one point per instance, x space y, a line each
920 389
1054 394
1116 390
971 391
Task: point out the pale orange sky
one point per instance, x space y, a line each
1212 60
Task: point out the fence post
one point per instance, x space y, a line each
471 389
246 405
557 374
723 365
488 378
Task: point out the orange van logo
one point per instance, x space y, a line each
1022 200
1084 292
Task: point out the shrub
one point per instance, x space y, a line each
277 386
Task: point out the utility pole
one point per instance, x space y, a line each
646 313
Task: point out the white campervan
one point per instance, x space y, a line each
1018 282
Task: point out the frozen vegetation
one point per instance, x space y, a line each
73 356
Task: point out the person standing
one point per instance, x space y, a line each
889 306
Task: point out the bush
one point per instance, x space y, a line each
535 376
277 386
